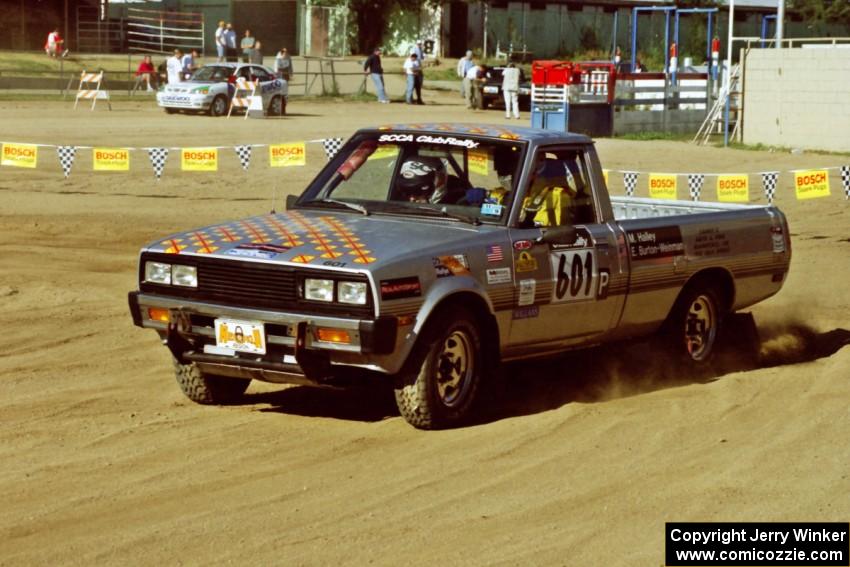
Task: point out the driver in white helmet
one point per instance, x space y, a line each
421 179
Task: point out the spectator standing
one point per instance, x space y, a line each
221 41
283 64
510 90
373 67
469 89
146 73
174 67
188 62
256 55
419 77
463 65
412 67
54 45
247 45
230 42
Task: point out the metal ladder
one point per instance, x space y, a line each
714 120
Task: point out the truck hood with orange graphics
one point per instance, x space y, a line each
321 238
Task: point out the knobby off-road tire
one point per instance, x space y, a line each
441 380
218 107
692 330
208 389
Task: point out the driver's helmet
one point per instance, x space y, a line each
422 179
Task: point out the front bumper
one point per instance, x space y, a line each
295 354
184 101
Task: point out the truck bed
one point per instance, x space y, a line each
626 208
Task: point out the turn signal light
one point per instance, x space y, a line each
158 314
339 336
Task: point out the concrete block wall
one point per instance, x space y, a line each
798 98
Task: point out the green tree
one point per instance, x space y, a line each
818 12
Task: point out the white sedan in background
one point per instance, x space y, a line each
211 88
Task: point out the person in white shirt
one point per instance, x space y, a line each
463 65
221 41
412 68
510 90
54 44
470 86
174 68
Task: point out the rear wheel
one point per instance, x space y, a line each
170 110
208 389
692 329
440 383
218 107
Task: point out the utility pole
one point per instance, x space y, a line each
780 23
728 75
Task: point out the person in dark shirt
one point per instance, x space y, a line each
372 66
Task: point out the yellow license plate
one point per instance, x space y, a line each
240 336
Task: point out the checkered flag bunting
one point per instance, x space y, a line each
768 181
244 153
630 181
695 182
845 180
66 158
332 146
158 157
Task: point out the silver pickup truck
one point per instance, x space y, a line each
428 254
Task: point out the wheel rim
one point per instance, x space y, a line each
700 327
218 105
455 365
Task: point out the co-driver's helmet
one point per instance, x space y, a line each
423 179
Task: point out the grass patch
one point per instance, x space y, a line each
655 136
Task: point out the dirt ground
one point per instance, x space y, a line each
103 461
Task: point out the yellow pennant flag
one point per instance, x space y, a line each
605 175
479 162
812 183
287 155
20 155
199 159
662 186
111 159
734 188
385 152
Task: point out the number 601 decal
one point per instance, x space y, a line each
576 275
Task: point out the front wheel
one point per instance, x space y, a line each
218 107
276 106
208 389
439 384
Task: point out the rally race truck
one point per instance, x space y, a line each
427 255
212 87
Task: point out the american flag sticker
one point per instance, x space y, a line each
494 253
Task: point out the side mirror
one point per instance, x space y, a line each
565 235
290 201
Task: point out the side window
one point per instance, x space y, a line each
261 74
559 192
244 72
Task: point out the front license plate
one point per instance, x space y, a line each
241 336
490 90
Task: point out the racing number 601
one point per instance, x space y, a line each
574 275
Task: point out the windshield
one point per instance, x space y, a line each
212 73
427 175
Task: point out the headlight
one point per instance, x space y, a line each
352 292
157 272
184 275
318 290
